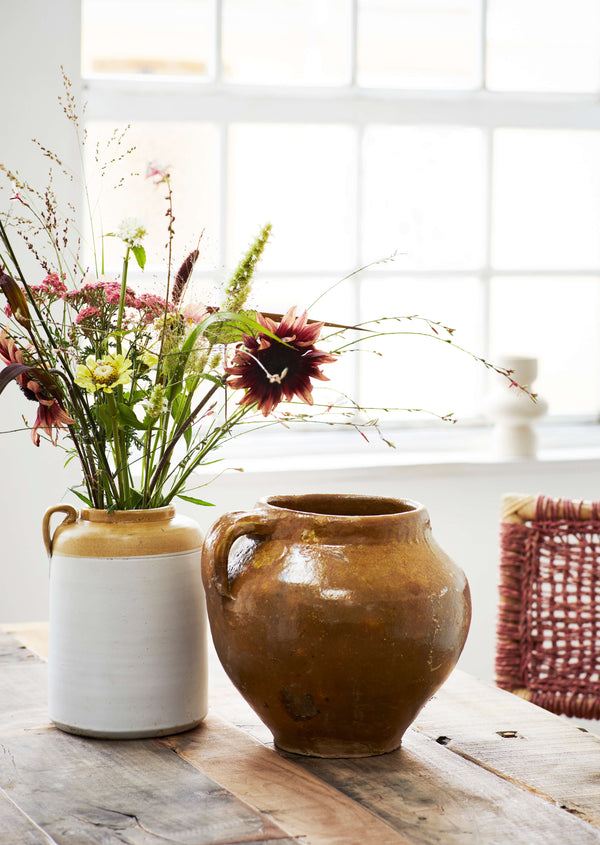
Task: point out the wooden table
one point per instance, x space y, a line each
478 766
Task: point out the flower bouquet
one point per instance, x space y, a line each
142 389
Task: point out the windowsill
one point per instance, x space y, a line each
450 447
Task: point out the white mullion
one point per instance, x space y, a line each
486 272
223 193
353 45
131 100
483 12
358 250
217 46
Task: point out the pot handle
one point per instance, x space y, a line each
71 516
221 537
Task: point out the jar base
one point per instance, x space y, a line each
133 734
335 750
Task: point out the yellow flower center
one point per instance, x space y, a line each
105 374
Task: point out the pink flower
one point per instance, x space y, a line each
157 170
50 416
112 292
54 283
50 413
194 312
150 306
87 313
9 351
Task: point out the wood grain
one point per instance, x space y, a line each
79 790
434 796
299 801
543 753
239 760
479 765
16 828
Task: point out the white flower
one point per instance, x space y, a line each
131 230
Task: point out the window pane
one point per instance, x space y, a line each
336 302
420 372
146 36
546 199
297 42
555 320
125 192
418 43
423 195
543 45
300 178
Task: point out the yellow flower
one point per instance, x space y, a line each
104 374
149 358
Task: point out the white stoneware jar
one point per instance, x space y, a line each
127 651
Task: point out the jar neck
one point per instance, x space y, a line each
340 518
116 517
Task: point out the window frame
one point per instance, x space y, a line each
214 101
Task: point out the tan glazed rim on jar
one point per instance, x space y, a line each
93 532
141 515
342 505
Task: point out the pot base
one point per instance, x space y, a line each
335 750
136 734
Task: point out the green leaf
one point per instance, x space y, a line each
177 406
140 255
134 499
79 495
106 419
195 501
128 418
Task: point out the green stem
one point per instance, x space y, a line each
163 464
120 462
122 298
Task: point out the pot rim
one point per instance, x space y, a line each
133 515
349 505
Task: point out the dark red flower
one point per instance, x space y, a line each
271 370
50 415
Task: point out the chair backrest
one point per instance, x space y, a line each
548 628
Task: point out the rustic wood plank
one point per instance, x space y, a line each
76 789
525 744
425 790
301 803
432 795
447 792
97 791
439 714
16 828
32 635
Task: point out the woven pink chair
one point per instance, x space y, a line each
548 631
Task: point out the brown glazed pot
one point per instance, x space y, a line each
336 617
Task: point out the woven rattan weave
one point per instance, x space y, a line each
548 631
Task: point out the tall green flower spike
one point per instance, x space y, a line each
238 289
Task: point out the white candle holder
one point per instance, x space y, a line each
513 412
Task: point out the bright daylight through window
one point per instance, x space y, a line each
461 134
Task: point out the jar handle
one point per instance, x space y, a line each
71 516
219 540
